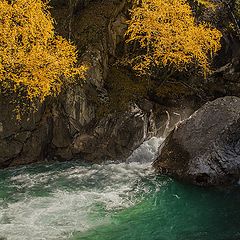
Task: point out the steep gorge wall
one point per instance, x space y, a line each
68 127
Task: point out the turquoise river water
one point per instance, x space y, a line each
120 201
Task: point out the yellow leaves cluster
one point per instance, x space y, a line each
168 36
33 61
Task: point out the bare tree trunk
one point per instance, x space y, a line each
70 20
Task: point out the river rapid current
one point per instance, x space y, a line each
112 201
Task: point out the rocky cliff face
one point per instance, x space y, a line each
68 127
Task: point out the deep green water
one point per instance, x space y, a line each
112 202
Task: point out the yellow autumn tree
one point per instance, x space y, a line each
34 62
168 36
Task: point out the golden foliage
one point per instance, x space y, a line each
34 63
168 36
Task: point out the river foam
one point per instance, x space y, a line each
112 201
54 201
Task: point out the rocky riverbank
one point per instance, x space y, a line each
74 126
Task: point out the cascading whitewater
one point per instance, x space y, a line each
53 201
114 201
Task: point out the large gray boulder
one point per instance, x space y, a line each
205 148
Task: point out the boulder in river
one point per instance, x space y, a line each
205 148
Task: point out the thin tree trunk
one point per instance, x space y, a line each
70 20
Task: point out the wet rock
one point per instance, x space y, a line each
114 137
35 148
23 141
205 148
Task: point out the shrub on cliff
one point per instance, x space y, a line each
206 3
169 37
34 62
237 9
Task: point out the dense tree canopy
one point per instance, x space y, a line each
169 36
34 62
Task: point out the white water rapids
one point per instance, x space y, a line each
54 201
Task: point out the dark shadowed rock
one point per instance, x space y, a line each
68 127
114 137
25 141
205 148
